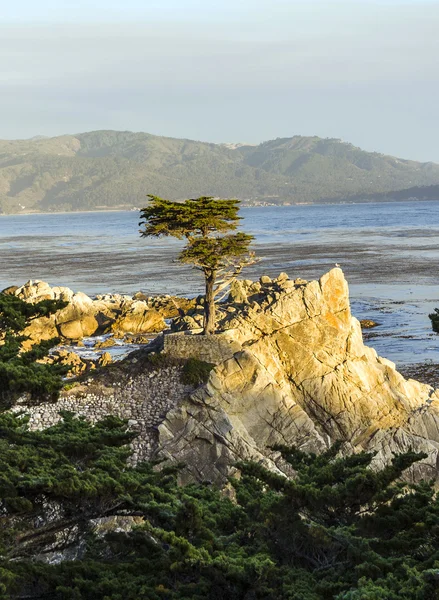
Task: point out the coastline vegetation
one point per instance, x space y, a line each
22 371
434 318
195 372
78 523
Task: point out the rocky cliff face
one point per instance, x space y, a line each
299 374
291 368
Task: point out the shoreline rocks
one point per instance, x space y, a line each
368 324
85 317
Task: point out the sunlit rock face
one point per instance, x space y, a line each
84 316
299 375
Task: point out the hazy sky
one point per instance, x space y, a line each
225 70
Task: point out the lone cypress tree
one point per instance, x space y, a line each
207 224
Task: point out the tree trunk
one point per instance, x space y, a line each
209 304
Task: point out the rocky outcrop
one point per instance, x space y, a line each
290 368
303 377
84 316
434 318
368 324
75 364
138 318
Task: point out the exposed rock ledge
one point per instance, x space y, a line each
291 368
302 376
84 316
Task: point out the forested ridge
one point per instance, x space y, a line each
112 169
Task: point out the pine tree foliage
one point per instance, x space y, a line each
206 224
193 217
337 530
19 370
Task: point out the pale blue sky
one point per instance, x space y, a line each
108 10
248 70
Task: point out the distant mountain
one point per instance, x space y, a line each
425 192
115 169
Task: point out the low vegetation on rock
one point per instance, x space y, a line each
434 318
22 371
195 372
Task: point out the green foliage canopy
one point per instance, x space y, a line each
205 223
337 530
434 318
19 370
193 217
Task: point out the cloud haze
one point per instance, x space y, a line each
364 71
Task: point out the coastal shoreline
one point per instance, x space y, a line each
391 271
243 207
425 372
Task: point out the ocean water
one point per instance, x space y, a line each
389 253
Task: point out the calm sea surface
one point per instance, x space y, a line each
388 252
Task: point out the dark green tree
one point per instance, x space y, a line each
207 225
20 370
338 530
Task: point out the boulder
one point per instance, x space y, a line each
10 291
35 291
265 280
139 318
108 343
238 292
84 325
76 365
71 330
84 317
368 324
39 330
105 359
188 323
282 278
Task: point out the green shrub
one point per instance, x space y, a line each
434 318
21 372
195 372
70 385
158 359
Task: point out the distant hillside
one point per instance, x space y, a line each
426 192
113 169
